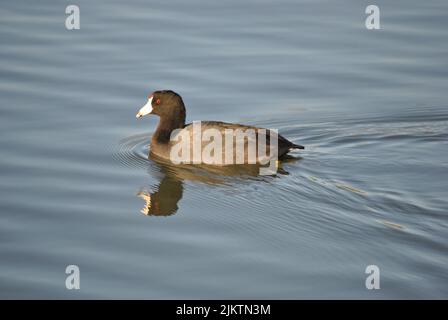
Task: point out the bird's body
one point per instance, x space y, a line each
212 142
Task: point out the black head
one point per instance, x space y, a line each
167 104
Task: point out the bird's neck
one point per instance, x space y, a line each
166 127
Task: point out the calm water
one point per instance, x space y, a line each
370 188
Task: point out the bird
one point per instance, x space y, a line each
178 142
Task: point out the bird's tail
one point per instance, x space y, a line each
296 146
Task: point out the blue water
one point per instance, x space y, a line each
369 189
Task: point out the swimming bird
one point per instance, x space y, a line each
245 146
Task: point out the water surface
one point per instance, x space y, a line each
370 187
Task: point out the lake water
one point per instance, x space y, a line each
369 189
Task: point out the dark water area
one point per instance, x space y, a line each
369 189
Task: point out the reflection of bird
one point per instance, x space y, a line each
169 106
147 197
162 202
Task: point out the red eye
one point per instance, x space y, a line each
158 101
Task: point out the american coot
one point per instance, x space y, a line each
173 138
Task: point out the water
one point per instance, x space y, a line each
370 188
